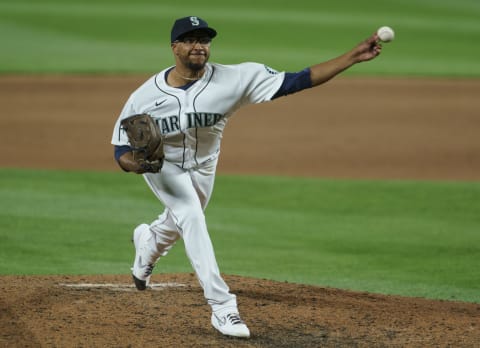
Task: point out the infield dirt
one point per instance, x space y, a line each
349 128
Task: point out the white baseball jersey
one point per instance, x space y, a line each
192 120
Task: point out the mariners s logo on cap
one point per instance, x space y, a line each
195 21
184 25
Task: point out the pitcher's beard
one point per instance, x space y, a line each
196 66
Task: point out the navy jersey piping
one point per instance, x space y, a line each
195 109
179 118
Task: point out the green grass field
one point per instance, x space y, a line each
395 237
434 38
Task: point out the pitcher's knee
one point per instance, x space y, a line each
193 221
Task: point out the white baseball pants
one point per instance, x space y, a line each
185 194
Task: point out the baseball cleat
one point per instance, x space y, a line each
141 270
230 324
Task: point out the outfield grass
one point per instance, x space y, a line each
395 237
434 38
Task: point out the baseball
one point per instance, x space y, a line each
386 34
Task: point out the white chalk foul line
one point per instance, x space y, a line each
121 287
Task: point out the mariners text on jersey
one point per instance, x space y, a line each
171 124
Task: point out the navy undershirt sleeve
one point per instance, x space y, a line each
294 82
120 150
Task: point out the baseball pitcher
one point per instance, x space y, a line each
170 131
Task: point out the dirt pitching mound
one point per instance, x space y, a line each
107 311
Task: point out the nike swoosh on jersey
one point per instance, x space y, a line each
160 103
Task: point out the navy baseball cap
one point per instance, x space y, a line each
187 24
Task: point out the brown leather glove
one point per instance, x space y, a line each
146 142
